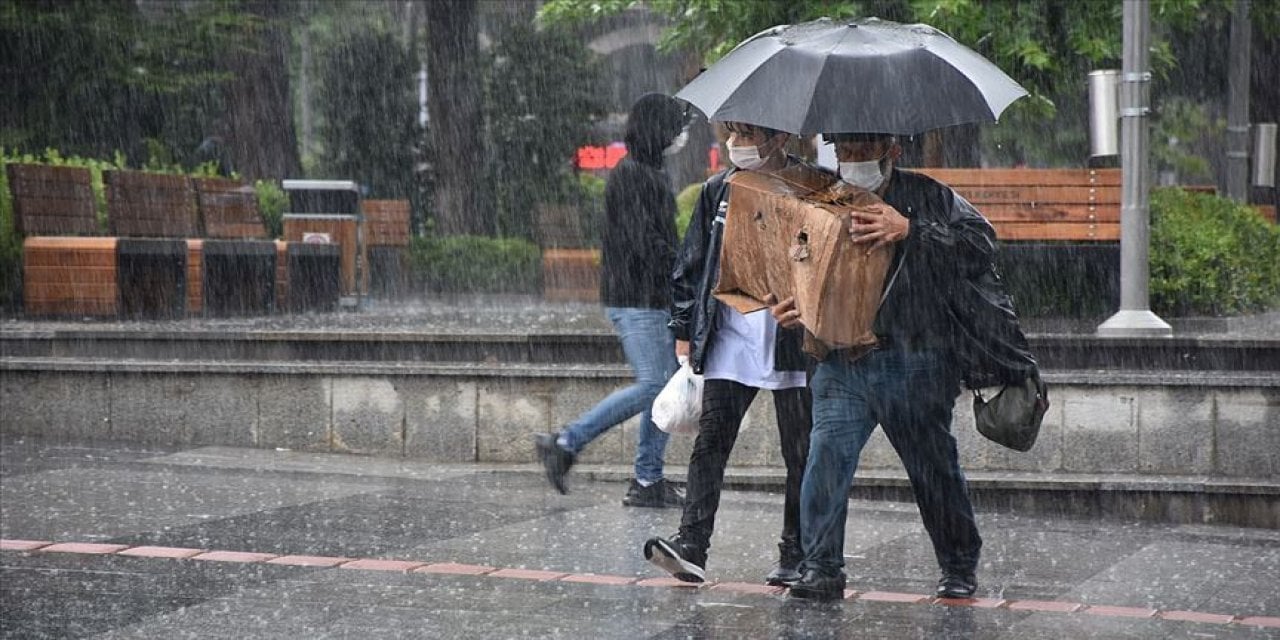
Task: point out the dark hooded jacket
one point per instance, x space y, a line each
946 293
638 242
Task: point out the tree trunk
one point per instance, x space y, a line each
454 110
259 105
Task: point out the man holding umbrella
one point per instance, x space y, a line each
907 383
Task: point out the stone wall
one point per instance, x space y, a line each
1211 425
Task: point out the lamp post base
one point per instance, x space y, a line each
1135 323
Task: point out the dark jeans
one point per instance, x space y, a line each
911 394
724 403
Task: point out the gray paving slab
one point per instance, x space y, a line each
285 502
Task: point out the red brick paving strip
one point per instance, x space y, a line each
889 596
235 556
1120 612
160 552
308 561
670 582
976 603
591 578
455 568
83 547
1045 605
1196 616
383 565
22 545
1261 621
528 574
749 587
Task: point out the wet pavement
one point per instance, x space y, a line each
489 551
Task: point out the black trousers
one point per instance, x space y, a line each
724 403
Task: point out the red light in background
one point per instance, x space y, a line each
597 157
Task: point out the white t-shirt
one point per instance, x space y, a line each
742 351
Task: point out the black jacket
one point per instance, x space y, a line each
948 293
638 246
693 308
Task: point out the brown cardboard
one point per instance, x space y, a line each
788 235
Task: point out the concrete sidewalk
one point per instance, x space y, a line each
221 542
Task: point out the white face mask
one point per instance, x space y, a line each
677 144
746 157
867 174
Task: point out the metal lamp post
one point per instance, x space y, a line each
1135 319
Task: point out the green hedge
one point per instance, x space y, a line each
685 202
475 264
1211 256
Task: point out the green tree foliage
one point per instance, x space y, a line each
543 90
1047 45
92 78
368 111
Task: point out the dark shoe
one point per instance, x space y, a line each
556 460
684 560
815 586
956 585
659 495
788 569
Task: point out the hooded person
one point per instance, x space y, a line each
638 249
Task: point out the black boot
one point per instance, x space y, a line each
815 586
788 569
556 460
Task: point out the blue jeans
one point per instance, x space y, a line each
650 349
911 394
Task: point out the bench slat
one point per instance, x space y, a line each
1104 231
1013 194
1047 213
1024 177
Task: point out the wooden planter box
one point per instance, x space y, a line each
70 276
571 275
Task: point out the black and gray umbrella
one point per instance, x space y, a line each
867 75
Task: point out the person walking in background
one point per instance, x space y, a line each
638 252
908 382
737 354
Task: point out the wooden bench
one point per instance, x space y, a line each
152 215
1053 225
62 275
238 263
1080 205
386 225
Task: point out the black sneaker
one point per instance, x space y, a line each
788 569
815 586
684 560
659 495
957 585
556 460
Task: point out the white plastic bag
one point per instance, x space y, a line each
679 405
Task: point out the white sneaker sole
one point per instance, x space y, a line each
660 553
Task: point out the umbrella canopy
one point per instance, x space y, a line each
868 75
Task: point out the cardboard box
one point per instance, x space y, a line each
788 235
